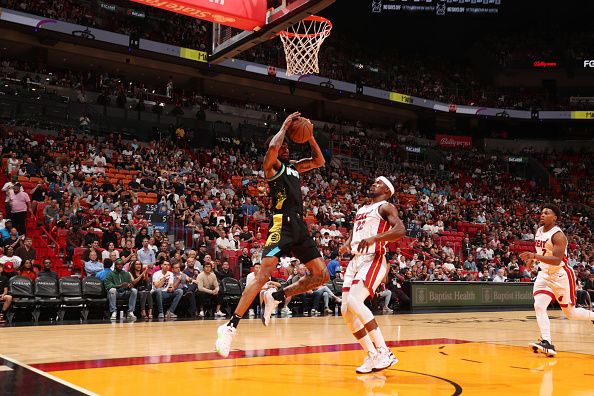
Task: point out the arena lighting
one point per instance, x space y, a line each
544 64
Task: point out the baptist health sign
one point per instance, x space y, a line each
469 294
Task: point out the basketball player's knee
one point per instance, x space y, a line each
540 306
355 304
321 277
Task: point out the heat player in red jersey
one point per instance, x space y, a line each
555 280
374 225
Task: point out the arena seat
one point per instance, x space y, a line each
23 296
47 295
231 289
94 295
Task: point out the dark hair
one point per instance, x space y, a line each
554 208
133 269
107 263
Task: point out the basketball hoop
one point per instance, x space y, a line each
302 42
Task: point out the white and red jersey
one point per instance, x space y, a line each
368 222
544 247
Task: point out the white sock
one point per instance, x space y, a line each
367 344
378 338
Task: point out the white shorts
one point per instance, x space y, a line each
367 268
559 285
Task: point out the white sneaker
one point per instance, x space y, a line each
114 315
131 316
270 305
387 310
368 364
384 359
170 315
225 336
286 312
219 314
201 314
251 313
314 312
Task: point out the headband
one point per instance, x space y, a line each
387 183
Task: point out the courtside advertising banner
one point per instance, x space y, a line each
240 14
451 141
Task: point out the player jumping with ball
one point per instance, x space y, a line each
288 233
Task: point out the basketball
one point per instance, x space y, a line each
301 130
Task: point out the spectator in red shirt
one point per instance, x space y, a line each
28 270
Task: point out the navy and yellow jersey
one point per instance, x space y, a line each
285 190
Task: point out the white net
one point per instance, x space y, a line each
302 42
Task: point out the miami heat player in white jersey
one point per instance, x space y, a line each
558 281
374 225
555 280
544 247
369 266
368 222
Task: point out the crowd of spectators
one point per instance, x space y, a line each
441 78
155 24
421 75
217 197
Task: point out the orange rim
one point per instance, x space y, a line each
314 18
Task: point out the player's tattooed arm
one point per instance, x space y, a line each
271 161
308 282
315 161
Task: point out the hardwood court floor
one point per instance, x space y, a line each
440 354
